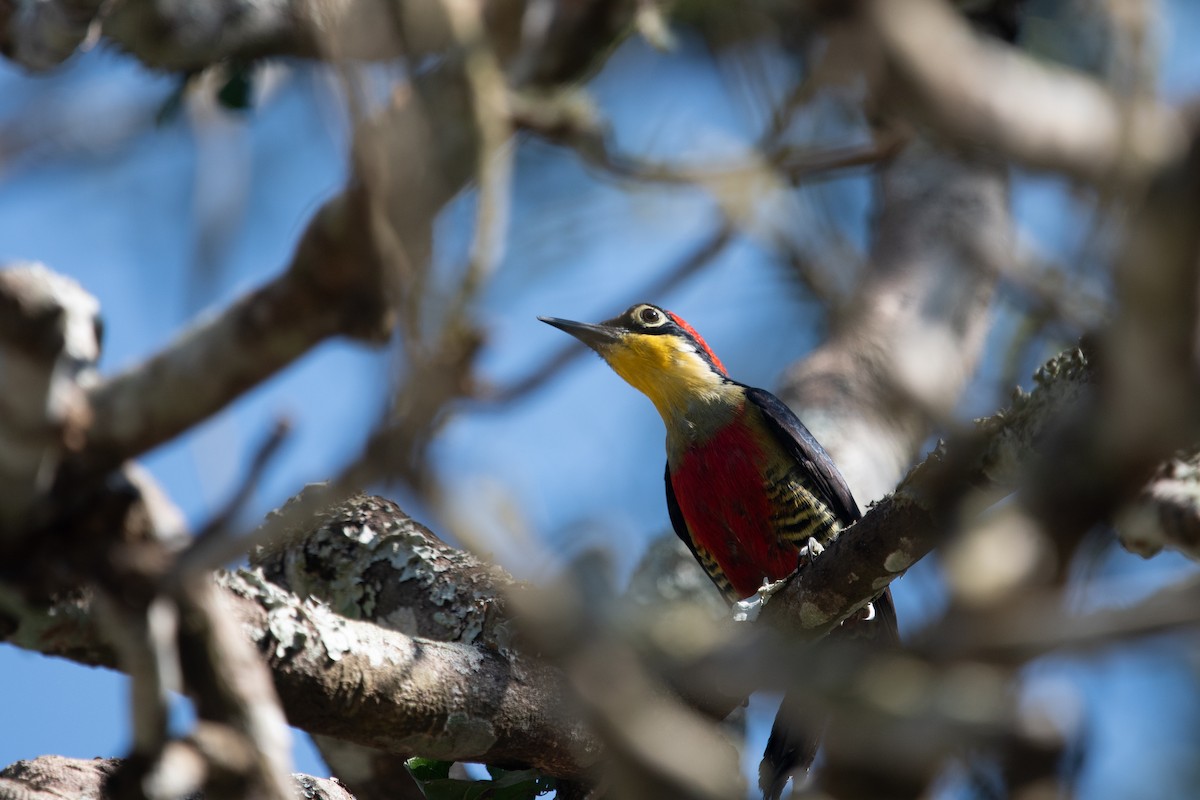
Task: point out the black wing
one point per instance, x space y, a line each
677 520
791 433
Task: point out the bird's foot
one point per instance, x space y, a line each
864 614
811 549
748 610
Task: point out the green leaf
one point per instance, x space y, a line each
519 784
435 782
428 769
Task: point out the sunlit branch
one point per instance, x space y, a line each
332 287
568 118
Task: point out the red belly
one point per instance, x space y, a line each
720 490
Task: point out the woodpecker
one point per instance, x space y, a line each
749 490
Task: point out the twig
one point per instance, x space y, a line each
569 120
217 544
801 164
1037 623
242 731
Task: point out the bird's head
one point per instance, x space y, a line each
657 353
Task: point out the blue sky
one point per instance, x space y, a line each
166 221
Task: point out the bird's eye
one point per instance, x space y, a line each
650 316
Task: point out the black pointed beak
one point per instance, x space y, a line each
596 337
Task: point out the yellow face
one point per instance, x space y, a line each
661 364
664 367
658 354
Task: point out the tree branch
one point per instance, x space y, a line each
195 35
364 684
467 698
333 287
1035 114
49 344
902 528
56 777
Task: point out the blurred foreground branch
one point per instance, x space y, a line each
57 777
192 36
1032 113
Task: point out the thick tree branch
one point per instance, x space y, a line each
1032 113
364 684
332 287
469 697
902 528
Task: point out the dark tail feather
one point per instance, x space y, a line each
796 734
795 737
